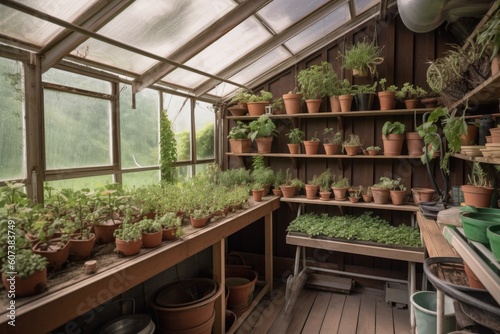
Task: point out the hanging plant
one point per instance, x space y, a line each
168 149
361 58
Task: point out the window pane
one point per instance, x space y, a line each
77 130
75 80
139 128
179 112
12 155
138 179
184 173
91 182
205 125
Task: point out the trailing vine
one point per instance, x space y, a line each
168 149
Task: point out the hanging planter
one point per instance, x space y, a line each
362 58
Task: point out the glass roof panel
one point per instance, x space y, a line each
320 29
161 27
36 31
281 14
259 67
222 53
362 6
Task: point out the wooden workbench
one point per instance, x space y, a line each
49 310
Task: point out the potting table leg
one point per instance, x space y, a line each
219 260
439 311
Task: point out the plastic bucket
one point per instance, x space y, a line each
425 305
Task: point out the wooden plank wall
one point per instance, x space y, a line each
405 60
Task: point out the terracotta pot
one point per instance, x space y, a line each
470 138
345 102
367 198
293 103
128 248
339 193
311 147
380 195
288 191
422 195
415 144
411 103
331 149
267 190
28 286
151 240
237 110
56 254
257 195
264 144
393 144
104 231
480 197
372 152
495 65
257 108
386 100
198 222
335 103
241 284
277 192
311 191
397 196
351 150
324 195
354 199
430 102
293 148
169 233
240 145
81 249
474 281
313 106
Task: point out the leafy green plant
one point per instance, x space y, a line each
331 82
331 136
262 127
295 136
345 87
279 178
128 232
169 220
352 140
391 88
257 186
363 57
278 104
340 182
488 38
408 91
26 264
314 137
355 191
396 128
242 96
385 183
312 81
263 96
149 225
373 148
168 149
324 180
297 183
478 176
239 131
199 214
364 89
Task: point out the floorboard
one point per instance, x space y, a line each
349 320
384 318
317 314
366 319
333 314
401 320
301 311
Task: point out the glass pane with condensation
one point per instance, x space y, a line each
204 120
319 30
70 79
362 6
179 112
139 127
77 130
12 143
91 182
139 179
281 14
259 67
36 31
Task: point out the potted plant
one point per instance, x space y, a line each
262 174
279 178
295 137
30 276
324 182
238 138
257 103
397 192
367 195
312 187
410 95
293 102
332 87
478 191
362 58
82 242
151 233
364 95
355 194
345 96
171 224
128 239
352 144
340 185
332 140
289 187
106 216
312 85
311 146
262 131
199 217
386 96
372 150
278 106
54 249
257 191
381 190
393 137
241 98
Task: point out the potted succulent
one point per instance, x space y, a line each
478 191
352 144
362 58
340 185
128 239
312 85
397 192
257 191
381 190
293 102
295 137
332 140
372 150
364 95
393 137
410 95
311 146
345 96
238 138
355 194
30 276
257 103
325 182
386 96
262 131
151 233
171 224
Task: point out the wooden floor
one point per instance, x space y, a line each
322 312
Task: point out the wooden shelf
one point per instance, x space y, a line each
322 156
485 93
486 160
332 202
